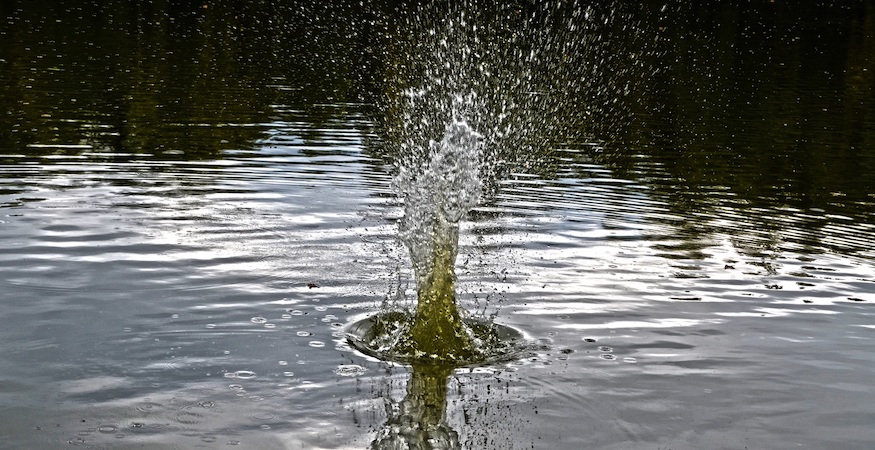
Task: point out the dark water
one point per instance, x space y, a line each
195 199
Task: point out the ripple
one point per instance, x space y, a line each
186 415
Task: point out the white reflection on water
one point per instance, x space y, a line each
622 324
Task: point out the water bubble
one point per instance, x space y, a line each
258 320
606 349
317 344
244 374
304 333
288 374
630 360
588 340
211 325
321 308
284 363
286 316
270 325
296 312
349 370
107 429
235 387
608 356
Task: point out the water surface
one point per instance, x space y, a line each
194 201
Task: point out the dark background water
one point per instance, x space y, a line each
686 224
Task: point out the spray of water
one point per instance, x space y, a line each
478 91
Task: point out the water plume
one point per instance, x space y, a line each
473 92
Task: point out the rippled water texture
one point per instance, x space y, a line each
196 199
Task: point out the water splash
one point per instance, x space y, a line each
479 91
437 197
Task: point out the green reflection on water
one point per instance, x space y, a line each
420 421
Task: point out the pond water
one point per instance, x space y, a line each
196 200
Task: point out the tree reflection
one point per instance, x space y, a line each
765 109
